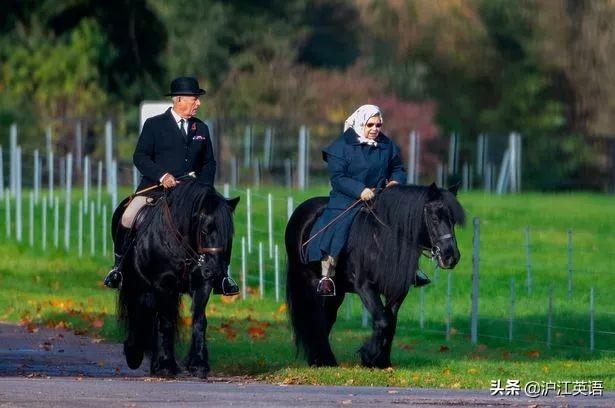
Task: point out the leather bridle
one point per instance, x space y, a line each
435 240
196 257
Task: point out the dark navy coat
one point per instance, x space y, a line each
352 167
162 149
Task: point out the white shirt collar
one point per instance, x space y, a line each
177 117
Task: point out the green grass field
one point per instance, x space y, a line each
60 289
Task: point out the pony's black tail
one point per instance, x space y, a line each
307 315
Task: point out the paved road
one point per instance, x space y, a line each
70 392
50 368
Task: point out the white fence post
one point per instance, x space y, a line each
270 223
56 222
104 230
13 159
99 186
504 176
289 207
249 218
44 224
92 229
80 229
78 144
7 208
18 198
67 213
301 161
261 271
86 182
36 175
49 166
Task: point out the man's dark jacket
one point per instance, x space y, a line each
162 149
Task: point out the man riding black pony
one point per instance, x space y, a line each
171 145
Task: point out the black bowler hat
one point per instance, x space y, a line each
185 86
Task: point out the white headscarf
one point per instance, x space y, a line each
358 120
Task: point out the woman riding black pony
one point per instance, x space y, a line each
181 244
381 257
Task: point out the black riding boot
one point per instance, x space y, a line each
421 279
120 246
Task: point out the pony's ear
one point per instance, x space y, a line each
232 203
454 188
434 192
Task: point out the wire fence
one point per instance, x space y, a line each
524 287
526 301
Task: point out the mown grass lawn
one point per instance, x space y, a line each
251 337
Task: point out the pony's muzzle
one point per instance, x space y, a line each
449 259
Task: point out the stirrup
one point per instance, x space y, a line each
325 287
421 279
114 278
229 287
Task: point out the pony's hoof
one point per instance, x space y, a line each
165 368
370 360
201 372
197 367
322 362
134 356
165 372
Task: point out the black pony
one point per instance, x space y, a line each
181 243
381 258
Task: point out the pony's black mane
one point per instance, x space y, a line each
191 198
393 248
187 202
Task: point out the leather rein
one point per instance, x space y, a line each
195 257
433 252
